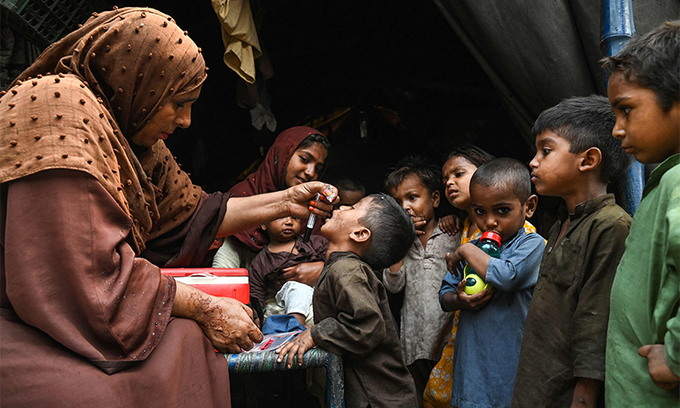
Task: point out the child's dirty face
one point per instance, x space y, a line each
498 209
457 172
283 229
345 219
554 166
645 130
415 198
306 164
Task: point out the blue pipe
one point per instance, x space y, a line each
619 27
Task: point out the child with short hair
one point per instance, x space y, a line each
350 191
563 348
489 338
351 314
425 327
286 248
643 338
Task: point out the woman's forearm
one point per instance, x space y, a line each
189 302
247 212
227 323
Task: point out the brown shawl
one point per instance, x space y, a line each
109 77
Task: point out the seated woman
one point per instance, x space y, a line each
89 190
297 156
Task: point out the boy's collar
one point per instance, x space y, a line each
587 206
335 255
658 172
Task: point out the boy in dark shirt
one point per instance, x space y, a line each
562 356
286 248
351 314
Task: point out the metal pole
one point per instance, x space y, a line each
619 27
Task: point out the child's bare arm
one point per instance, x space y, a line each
397 266
661 374
458 300
475 257
450 224
298 346
587 393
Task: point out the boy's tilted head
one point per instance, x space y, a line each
500 191
376 228
644 91
584 123
415 185
283 229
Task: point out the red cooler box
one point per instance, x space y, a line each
225 282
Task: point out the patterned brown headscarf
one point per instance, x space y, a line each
81 102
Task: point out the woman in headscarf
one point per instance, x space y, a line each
297 156
92 202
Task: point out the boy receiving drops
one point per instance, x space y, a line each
351 314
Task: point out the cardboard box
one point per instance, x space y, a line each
225 282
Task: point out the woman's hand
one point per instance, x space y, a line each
298 201
301 200
226 322
299 345
450 224
307 273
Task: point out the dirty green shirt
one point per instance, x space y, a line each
645 296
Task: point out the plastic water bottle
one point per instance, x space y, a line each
491 245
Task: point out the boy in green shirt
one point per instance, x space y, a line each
643 338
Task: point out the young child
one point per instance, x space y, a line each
459 166
286 248
350 191
489 338
643 338
565 333
351 314
415 186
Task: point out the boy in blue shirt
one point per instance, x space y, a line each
643 338
489 338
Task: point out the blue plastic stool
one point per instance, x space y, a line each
316 357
